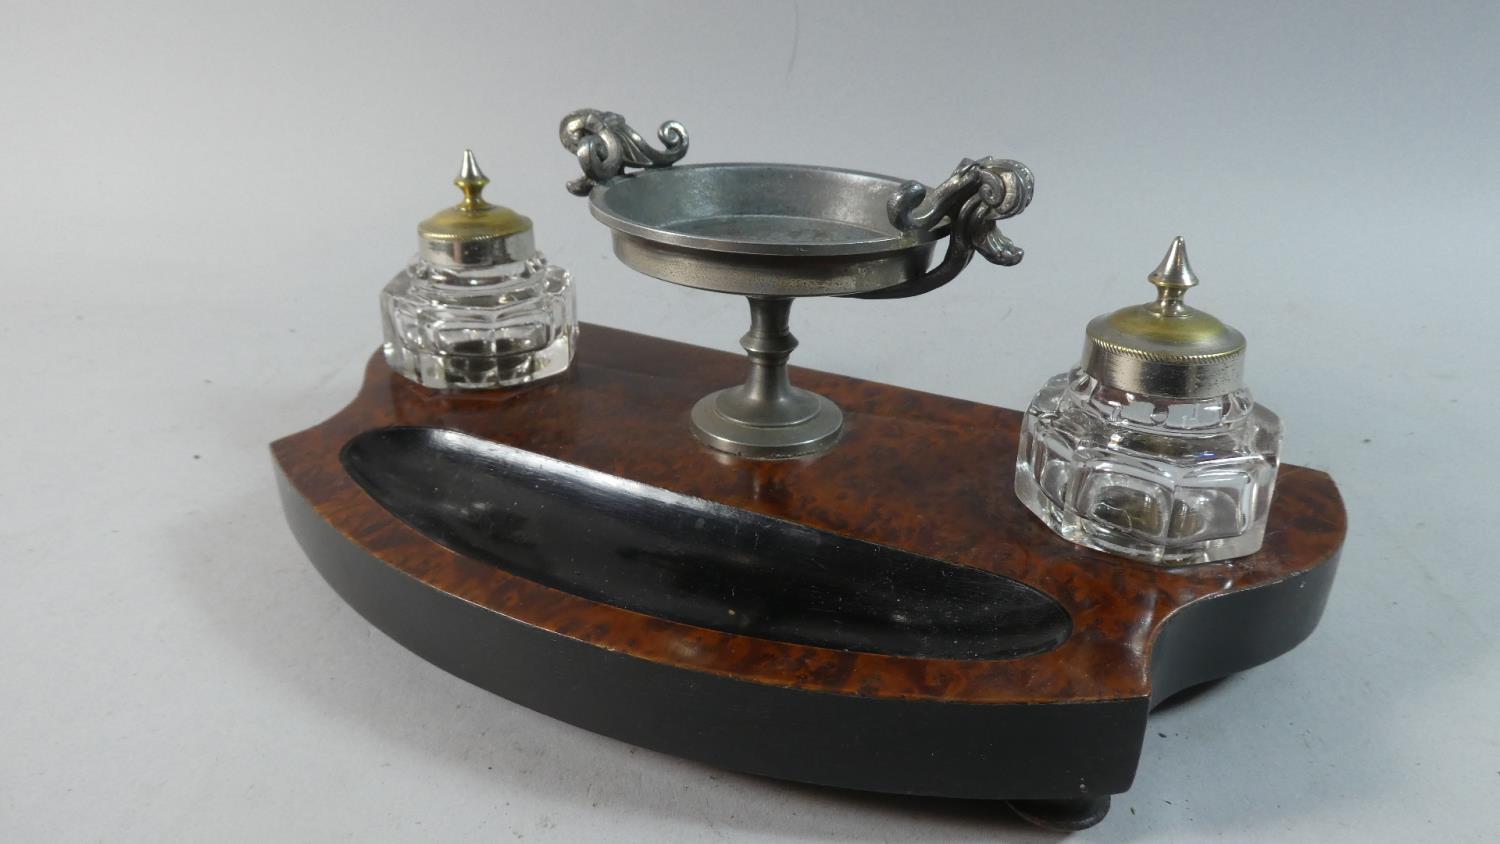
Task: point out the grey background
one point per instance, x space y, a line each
199 203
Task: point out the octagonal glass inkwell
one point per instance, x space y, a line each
478 307
1152 448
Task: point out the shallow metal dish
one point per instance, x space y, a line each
773 232
763 229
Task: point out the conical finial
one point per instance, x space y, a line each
1172 277
471 180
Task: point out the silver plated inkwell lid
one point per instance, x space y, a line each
1165 348
474 233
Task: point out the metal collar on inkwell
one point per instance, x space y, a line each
1165 348
474 233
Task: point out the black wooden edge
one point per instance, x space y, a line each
1000 751
1220 635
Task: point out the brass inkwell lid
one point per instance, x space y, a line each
1165 348
475 233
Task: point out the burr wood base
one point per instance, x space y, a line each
883 616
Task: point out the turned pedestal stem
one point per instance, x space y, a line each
767 417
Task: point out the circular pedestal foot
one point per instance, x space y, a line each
814 432
1063 815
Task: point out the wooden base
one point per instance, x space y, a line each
885 616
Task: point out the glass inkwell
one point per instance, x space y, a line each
1152 448
478 307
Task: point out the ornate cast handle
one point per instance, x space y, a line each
971 202
606 145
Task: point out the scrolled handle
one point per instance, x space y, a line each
605 145
971 203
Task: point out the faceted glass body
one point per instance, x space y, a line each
477 328
1165 481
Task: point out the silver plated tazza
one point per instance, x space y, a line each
774 232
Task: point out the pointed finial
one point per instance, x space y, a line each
1172 277
471 180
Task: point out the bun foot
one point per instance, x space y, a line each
1063 815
